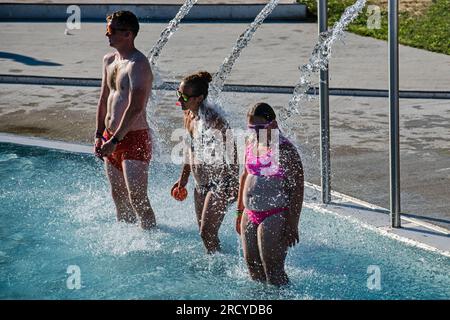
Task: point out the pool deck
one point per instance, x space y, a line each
413 232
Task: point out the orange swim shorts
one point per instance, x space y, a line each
136 145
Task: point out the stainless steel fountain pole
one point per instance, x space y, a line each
324 113
394 126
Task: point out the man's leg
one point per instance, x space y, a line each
273 248
136 178
251 251
119 194
212 216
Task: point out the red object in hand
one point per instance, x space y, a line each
179 193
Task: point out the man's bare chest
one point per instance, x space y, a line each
117 76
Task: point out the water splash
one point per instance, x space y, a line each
169 31
318 61
243 40
158 82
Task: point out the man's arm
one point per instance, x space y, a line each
141 79
102 108
103 100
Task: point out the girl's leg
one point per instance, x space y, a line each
250 247
214 210
273 248
199 202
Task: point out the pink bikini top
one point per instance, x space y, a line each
265 164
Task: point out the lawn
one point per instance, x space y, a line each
427 28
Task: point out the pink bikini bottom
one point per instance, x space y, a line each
258 216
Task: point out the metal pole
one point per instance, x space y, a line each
324 114
394 126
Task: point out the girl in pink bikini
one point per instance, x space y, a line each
270 197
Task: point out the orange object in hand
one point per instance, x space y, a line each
179 193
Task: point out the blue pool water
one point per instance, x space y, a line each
56 212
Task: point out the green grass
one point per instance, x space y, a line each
430 30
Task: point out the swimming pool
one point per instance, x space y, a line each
56 213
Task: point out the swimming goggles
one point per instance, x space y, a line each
259 126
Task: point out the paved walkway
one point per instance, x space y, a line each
360 128
43 49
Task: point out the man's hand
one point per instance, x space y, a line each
107 148
291 233
97 147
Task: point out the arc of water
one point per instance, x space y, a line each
153 56
319 59
164 37
243 40
171 28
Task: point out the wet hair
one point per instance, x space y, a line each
262 110
125 19
199 83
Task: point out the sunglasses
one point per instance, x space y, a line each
183 96
112 30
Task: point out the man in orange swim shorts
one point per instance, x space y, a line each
123 138
136 145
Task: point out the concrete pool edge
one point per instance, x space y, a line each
414 232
